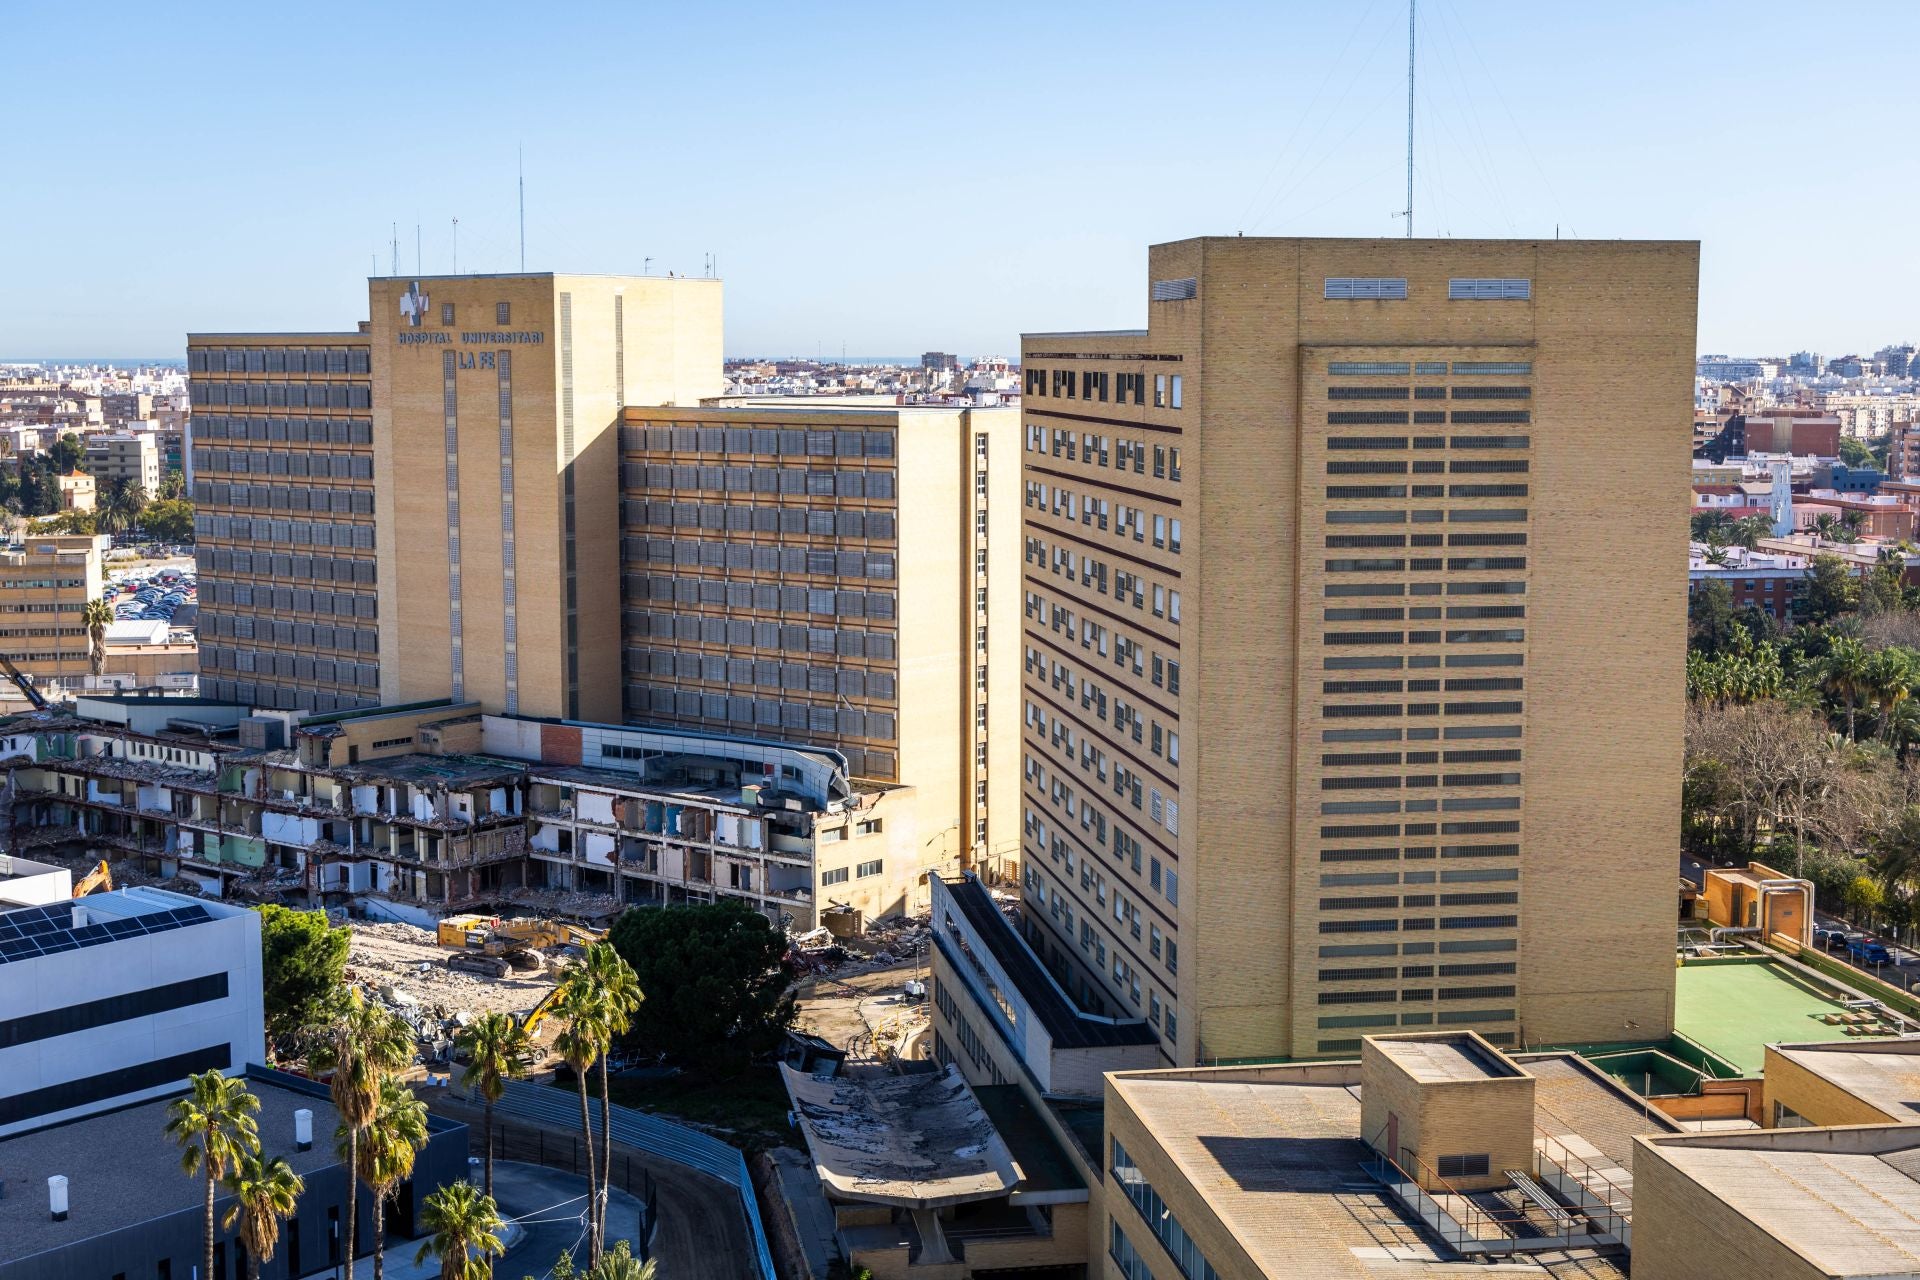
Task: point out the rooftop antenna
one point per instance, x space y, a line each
416 248
522 153
394 262
456 246
646 266
1410 12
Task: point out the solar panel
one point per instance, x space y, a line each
31 932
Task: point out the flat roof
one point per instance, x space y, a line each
1443 1060
1883 1073
918 1140
1847 1212
1066 1024
1736 1008
122 1170
33 932
436 771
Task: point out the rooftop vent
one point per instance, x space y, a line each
1359 287
1176 290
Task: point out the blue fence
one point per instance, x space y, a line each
651 1134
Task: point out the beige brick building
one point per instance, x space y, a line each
1366 524
824 576
283 524
496 421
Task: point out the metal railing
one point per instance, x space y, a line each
656 1137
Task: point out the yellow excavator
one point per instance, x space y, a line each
539 1011
100 878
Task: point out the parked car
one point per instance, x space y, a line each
1867 951
1831 939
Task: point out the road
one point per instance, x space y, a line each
1904 972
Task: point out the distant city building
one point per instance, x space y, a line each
132 456
1735 369
939 361
1806 364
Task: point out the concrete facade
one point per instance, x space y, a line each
44 590
1331 474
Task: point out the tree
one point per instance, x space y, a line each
1748 530
66 455
265 1192
497 1048
1889 682
584 1040
620 1264
303 973
214 1127
1846 675
396 1133
1855 453
1710 617
1896 848
715 980
120 503
1863 896
169 520
365 1045
172 485
618 993
97 617
84 523
462 1223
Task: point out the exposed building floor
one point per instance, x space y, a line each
1736 1010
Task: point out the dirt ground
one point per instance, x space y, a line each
866 1010
407 959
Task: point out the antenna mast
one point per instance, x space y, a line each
1410 12
394 261
522 153
456 246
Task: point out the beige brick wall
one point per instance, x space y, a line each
1683 1232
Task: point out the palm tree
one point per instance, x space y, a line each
497 1048
215 1129
1889 681
462 1223
1748 530
619 992
265 1191
364 1046
584 1040
120 505
1844 675
97 617
385 1156
620 1264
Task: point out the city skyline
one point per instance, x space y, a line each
899 208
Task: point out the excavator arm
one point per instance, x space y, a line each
101 877
23 684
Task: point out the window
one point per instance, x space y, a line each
872 825
868 869
502 313
1157 1216
1173 391
836 876
1159 390
1364 287
1478 290
446 313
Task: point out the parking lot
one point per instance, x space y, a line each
154 591
1870 953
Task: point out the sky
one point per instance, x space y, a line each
887 179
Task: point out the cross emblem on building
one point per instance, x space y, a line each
413 305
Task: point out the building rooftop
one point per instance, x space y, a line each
1438 1061
434 771
121 1169
28 933
918 1141
1847 1201
1735 1007
1885 1074
1066 1024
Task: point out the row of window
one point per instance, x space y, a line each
742 633
317 360
1159 1217
1394 288
255 693
1396 467
661 477
762 442
219 657
1353 444
767 597
282 565
282 395
1428 393
1350 491
827 522
285 462
1400 417
784 561
1099 386
1429 368
298 533
714 668
220 426
304 635
864 871
1125 454
1415 995
260 497
247 595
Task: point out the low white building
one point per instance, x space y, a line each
116 998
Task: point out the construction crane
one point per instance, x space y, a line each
101 877
23 684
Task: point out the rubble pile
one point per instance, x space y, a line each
404 967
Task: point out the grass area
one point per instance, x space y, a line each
1735 1010
751 1107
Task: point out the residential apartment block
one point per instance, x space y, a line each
283 491
132 456
1334 519
823 575
44 589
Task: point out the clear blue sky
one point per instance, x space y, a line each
903 177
